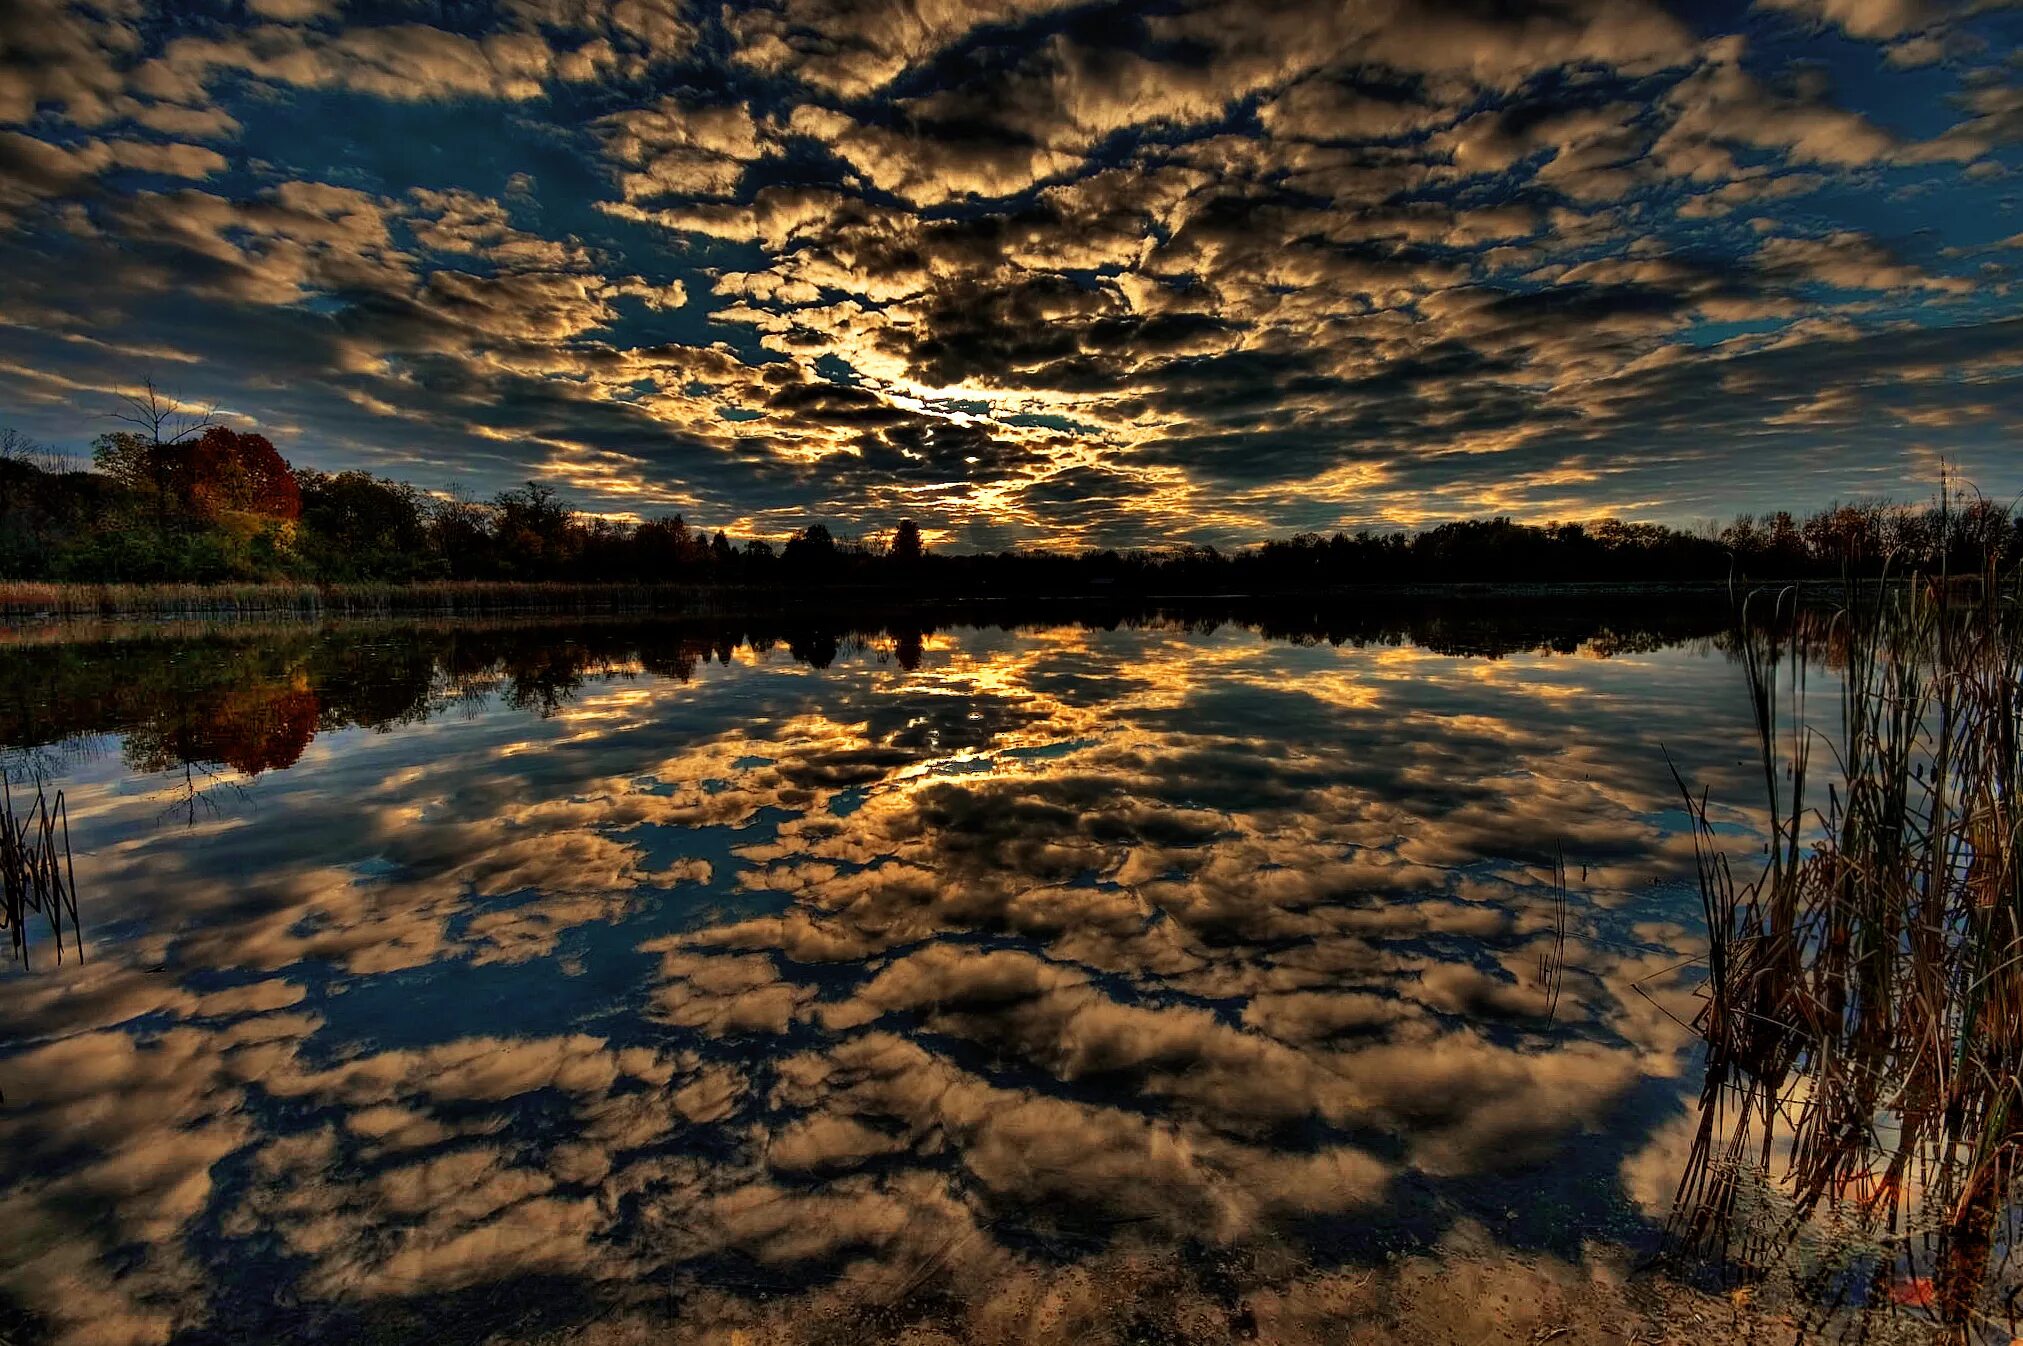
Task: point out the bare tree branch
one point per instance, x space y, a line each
16 447
165 418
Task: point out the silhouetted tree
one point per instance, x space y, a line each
664 549
534 532
161 421
906 548
810 551
161 418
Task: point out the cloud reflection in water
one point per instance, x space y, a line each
561 971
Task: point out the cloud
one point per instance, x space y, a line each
1023 271
1851 261
1874 19
690 151
398 61
1722 104
852 968
33 171
851 47
68 56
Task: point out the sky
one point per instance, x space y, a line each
1029 272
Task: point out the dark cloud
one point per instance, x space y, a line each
1311 267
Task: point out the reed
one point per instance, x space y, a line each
1552 953
20 599
36 874
1863 1012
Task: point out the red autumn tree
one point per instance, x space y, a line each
223 471
261 729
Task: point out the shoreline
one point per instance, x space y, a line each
37 602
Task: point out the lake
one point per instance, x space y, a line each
484 981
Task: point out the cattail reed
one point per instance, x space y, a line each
36 875
1863 1013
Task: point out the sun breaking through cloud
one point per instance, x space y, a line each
1026 271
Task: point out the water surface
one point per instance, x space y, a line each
489 979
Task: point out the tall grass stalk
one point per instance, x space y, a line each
1863 1017
36 875
24 599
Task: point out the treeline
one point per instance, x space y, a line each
208 504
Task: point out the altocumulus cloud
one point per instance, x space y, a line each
1028 270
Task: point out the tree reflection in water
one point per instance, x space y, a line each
577 973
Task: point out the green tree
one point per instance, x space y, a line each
356 526
125 457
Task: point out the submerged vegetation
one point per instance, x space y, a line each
1864 1003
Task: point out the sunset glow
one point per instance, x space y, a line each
1031 272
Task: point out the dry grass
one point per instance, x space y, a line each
36 878
21 599
1864 1012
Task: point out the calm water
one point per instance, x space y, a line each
488 978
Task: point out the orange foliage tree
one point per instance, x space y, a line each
224 471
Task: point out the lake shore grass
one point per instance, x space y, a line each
38 601
34 600
1864 1004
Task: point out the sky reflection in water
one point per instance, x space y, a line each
492 969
